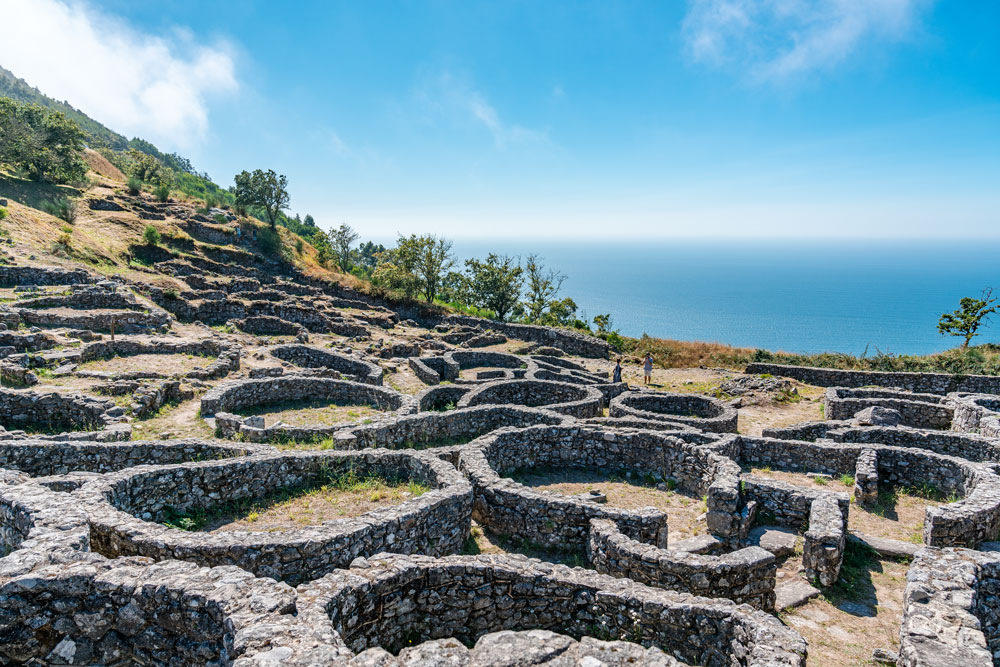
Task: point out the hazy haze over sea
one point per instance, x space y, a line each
797 296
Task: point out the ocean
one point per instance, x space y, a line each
794 296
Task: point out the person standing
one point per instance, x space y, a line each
617 374
647 369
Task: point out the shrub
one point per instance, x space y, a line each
134 186
211 201
64 241
61 208
162 193
220 219
269 241
3 213
66 229
171 293
150 235
299 246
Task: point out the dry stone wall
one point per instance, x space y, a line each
125 509
746 575
386 601
923 383
926 411
701 412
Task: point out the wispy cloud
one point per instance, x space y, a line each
451 95
776 40
136 83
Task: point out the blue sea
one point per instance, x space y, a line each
795 296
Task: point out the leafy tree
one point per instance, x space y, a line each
543 286
560 313
341 239
434 259
46 144
264 189
495 284
366 255
971 314
603 322
309 222
455 288
143 166
324 251
397 270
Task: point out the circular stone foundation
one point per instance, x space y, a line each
222 359
311 357
40 458
701 412
50 412
568 399
393 601
125 510
508 508
292 392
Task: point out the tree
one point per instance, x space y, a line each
603 322
434 259
342 238
543 287
397 269
971 314
46 144
495 284
264 189
309 222
366 255
324 251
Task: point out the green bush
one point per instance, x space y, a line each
269 241
150 235
61 208
220 219
134 186
299 246
3 213
162 193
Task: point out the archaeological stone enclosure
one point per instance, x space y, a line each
255 470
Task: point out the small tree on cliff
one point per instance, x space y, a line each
972 313
264 189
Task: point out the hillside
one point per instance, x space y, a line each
97 134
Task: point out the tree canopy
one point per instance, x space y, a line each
971 314
44 143
265 190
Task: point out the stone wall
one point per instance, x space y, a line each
312 357
925 383
976 414
12 276
509 508
243 394
124 509
40 458
916 410
949 610
745 575
701 412
569 342
392 600
823 549
53 411
568 399
227 357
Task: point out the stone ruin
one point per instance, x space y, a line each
95 570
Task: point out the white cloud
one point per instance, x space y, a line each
774 40
135 83
449 95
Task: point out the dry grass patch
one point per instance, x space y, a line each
858 614
341 495
311 413
168 364
841 483
898 514
686 512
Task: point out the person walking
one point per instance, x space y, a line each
647 369
616 376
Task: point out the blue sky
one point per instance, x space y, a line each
729 118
